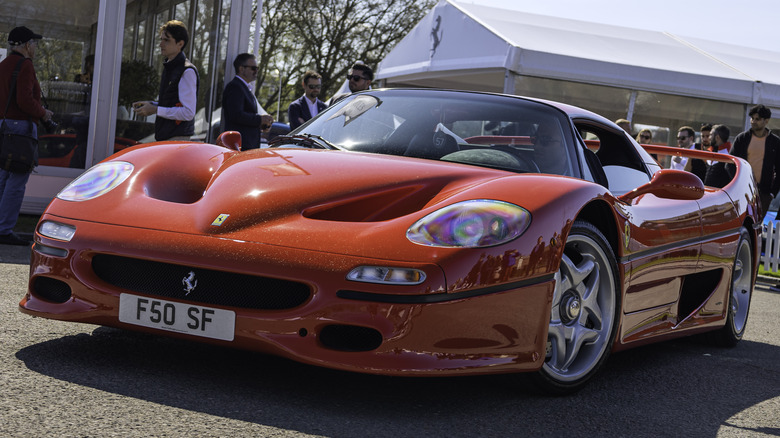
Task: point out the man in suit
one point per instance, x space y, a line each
717 175
308 105
240 108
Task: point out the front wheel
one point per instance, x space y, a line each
585 309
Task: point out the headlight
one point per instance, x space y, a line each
97 181
54 230
386 275
471 224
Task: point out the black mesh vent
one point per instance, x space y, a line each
206 286
50 289
350 338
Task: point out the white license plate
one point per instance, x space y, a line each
177 317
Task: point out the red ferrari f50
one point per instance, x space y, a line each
408 232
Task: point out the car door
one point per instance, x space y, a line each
660 238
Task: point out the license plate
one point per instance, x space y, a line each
177 317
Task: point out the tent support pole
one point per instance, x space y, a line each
509 82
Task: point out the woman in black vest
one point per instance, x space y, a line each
175 109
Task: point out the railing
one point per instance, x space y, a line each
771 254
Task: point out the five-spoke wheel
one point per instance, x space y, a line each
584 314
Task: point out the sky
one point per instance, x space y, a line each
752 24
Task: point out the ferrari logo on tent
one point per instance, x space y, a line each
436 35
220 219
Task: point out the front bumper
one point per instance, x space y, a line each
421 330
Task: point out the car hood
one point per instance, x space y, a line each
321 200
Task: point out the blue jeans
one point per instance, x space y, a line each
12 184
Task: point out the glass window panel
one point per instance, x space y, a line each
671 112
65 75
205 56
127 48
774 122
609 102
182 13
141 49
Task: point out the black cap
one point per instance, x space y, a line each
21 35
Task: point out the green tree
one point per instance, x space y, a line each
327 36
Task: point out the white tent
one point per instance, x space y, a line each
468 46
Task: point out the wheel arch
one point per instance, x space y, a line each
599 214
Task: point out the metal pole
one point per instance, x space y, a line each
279 101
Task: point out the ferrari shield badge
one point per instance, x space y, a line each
219 220
627 235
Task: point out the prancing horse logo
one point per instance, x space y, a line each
189 282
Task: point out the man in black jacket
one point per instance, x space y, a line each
718 174
761 148
240 108
309 105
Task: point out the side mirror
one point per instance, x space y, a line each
230 140
670 184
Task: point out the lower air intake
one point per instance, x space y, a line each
50 289
350 338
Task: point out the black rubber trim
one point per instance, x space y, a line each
439 297
671 246
50 250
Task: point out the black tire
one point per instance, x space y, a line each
585 312
740 295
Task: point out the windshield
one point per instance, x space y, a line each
468 128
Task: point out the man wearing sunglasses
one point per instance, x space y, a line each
358 79
240 109
309 105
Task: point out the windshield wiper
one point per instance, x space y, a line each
310 140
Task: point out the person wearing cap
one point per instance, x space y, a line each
24 112
175 109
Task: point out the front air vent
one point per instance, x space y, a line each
199 285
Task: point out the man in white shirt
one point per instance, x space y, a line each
685 140
176 107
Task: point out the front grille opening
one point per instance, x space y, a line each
49 289
350 338
199 285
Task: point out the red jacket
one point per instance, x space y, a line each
27 104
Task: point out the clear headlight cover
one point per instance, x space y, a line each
471 224
55 230
97 181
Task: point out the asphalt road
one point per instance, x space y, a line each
77 380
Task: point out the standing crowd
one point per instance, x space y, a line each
758 145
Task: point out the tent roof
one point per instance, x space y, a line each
473 39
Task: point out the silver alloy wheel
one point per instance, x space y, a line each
741 287
583 311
